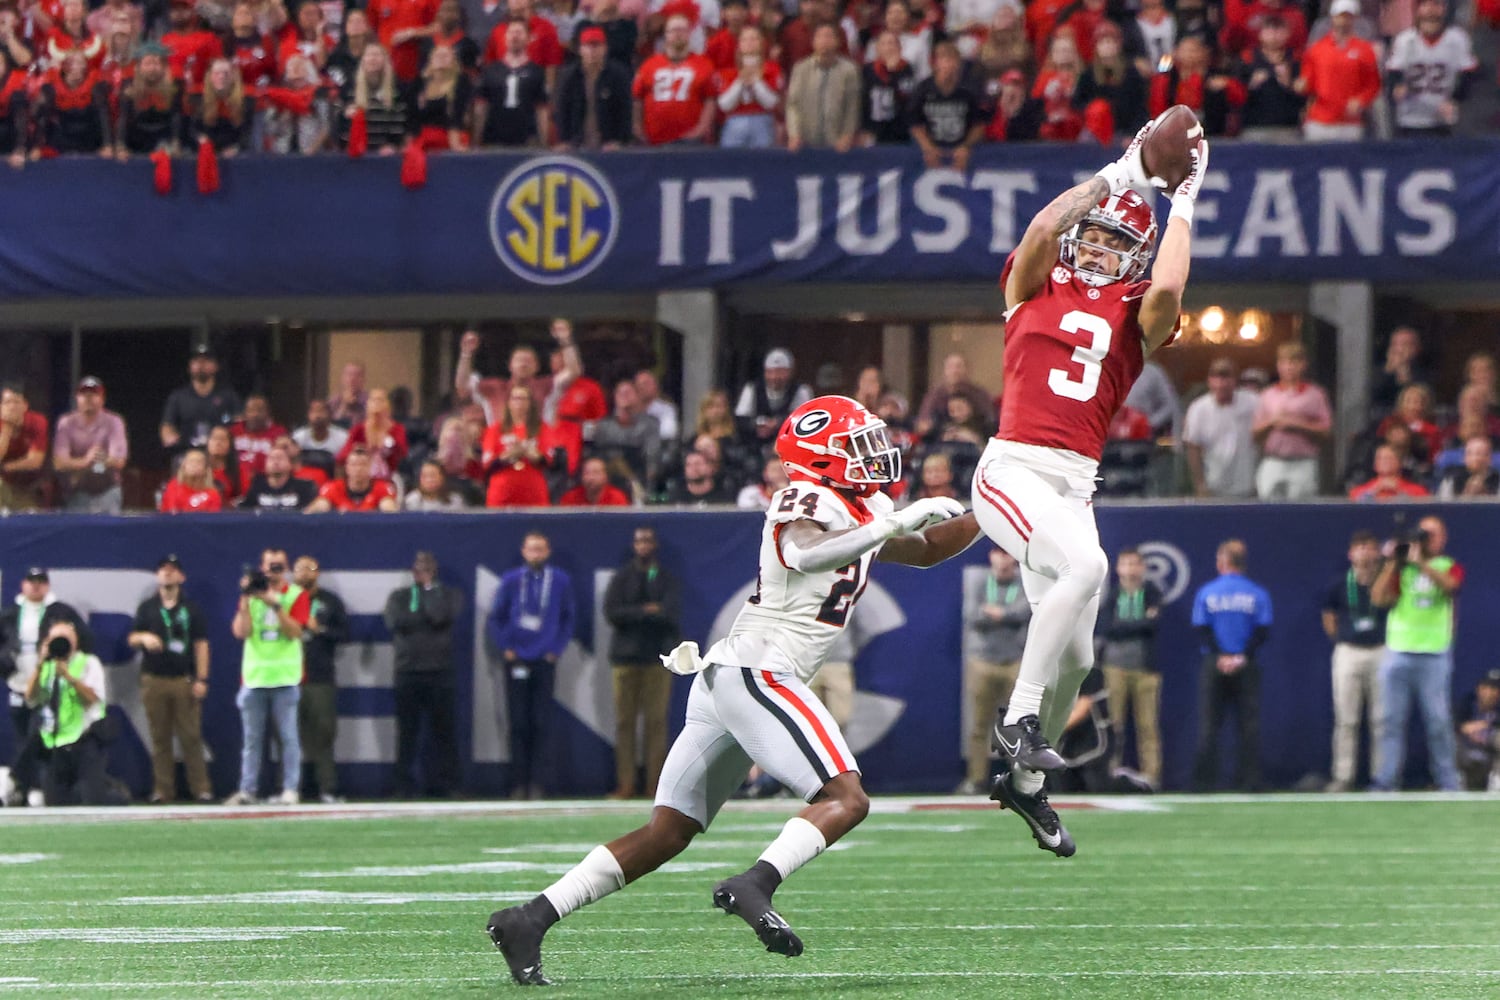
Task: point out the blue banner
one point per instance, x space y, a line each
906 728
635 221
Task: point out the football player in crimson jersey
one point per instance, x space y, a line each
750 701
1079 323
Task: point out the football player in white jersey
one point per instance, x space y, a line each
750 702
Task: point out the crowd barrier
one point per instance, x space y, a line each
1407 211
906 729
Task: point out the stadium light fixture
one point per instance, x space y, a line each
1212 320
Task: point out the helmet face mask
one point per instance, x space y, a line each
835 441
1125 216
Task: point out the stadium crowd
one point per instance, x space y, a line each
263 76
522 437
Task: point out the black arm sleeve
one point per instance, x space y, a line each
1257 639
1206 633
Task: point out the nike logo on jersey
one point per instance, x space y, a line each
1132 298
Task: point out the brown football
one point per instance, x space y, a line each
1167 152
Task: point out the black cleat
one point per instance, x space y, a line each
1038 814
741 897
519 939
1023 744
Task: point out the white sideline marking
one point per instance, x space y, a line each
81 988
24 859
1319 947
304 897
154 935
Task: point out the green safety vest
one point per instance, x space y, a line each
271 659
1421 620
71 719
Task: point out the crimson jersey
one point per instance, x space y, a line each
1072 352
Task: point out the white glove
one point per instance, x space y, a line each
1129 171
923 514
684 659
1186 194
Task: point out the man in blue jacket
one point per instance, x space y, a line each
531 624
1233 617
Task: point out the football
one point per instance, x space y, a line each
1167 152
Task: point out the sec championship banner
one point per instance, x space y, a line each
908 723
642 221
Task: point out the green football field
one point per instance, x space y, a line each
1167 897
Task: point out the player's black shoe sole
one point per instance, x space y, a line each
519 939
741 897
1038 813
1021 743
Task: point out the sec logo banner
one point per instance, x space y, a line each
553 220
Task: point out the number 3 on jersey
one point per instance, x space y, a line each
1091 357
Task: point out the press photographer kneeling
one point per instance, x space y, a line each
67 694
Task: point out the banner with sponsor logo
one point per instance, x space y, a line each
634 221
907 630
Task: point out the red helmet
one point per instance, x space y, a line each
835 441
1126 215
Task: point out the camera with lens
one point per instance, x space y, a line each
256 582
1418 536
59 647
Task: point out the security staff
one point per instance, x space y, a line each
421 617
1233 617
172 635
317 709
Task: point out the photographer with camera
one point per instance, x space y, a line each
67 693
1417 582
23 628
270 618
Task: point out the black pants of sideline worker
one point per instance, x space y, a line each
528 689
426 698
1217 694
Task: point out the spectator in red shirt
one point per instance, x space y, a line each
594 488
1388 483
1341 77
251 51
192 50
309 38
1055 86
73 111
23 450
545 48
1240 34
401 25
517 450
224 463
674 91
749 95
380 435
723 46
73 35
1414 412
1041 19
118 61
1193 80
192 490
254 434
1082 19
359 491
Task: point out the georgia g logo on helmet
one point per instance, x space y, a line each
810 423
